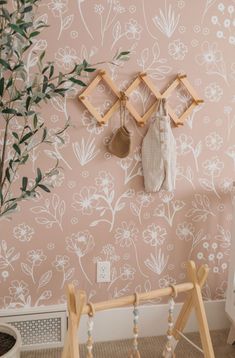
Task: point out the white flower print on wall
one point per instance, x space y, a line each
7 256
212 59
154 235
143 200
66 57
157 263
167 21
214 141
151 62
80 244
105 196
223 22
168 209
186 231
51 213
59 8
201 208
23 232
85 201
126 236
177 50
213 92
231 153
184 145
62 263
213 168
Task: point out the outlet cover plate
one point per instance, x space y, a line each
103 271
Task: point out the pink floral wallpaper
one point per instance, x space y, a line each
98 209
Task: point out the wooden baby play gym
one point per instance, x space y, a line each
77 306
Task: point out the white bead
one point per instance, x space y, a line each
90 325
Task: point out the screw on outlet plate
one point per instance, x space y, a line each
103 271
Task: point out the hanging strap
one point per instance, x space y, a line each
123 99
189 341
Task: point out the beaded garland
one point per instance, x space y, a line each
135 353
90 326
169 353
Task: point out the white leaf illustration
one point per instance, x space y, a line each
67 22
144 55
26 269
155 51
69 274
117 30
45 279
206 184
37 209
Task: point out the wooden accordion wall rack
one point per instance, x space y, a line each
181 79
77 306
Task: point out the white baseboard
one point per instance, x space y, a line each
114 324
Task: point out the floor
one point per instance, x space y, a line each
150 347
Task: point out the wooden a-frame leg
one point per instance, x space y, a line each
200 312
188 303
231 335
75 303
187 307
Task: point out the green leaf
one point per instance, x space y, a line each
45 188
35 121
17 29
27 9
27 103
9 111
44 134
1 86
24 183
39 175
121 54
78 82
33 34
9 83
15 135
5 64
26 136
89 69
25 158
17 148
51 71
8 174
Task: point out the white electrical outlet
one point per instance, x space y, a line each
103 271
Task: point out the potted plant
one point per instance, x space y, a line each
21 94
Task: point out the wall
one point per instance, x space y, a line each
98 209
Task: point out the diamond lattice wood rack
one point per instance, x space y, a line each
181 79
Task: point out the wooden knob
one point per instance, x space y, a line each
141 124
143 74
101 123
198 101
82 98
102 72
181 76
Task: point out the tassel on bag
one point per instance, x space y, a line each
135 351
120 143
